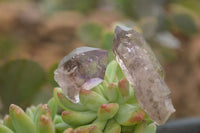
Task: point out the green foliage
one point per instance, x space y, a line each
91 100
91 34
107 115
94 113
20 80
65 103
53 107
113 71
185 23
76 118
139 8
4 129
107 41
35 120
112 127
107 111
84 6
51 75
144 128
21 122
192 5
127 7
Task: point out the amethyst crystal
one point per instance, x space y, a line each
144 73
83 68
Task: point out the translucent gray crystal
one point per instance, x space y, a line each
144 73
83 68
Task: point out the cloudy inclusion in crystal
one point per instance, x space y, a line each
144 73
83 68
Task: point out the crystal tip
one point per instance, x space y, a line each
120 28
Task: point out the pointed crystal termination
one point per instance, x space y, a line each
83 68
144 73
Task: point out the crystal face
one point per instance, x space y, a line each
144 73
83 68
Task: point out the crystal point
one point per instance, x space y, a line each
144 73
83 68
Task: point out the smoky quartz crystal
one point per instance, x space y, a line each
144 73
83 68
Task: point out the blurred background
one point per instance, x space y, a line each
36 34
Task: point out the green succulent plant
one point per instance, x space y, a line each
20 80
109 107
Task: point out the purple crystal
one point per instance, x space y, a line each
144 73
83 68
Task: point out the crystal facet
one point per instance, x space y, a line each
144 73
83 68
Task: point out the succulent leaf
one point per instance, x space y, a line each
46 125
107 111
69 130
58 119
128 129
30 113
151 128
53 107
4 129
78 118
91 99
140 128
65 103
129 115
98 90
112 127
100 124
60 127
144 128
111 71
124 88
112 92
90 129
103 90
41 110
21 122
8 122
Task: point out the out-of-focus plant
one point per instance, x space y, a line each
84 6
192 5
106 44
20 80
93 34
140 8
183 20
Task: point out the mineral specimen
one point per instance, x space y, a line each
144 73
83 68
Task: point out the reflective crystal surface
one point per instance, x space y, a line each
144 73
83 68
